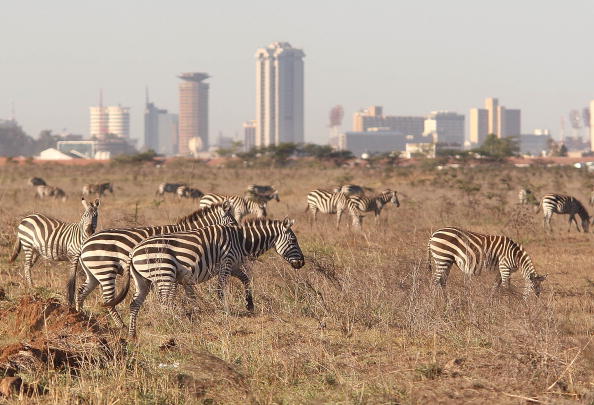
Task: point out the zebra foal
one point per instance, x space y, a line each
104 254
41 236
194 257
326 202
241 206
563 204
359 205
472 252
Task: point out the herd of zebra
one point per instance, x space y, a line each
216 239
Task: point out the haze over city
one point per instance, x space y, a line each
411 58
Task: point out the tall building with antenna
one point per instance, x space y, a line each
193 112
279 95
105 120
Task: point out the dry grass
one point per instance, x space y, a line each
358 324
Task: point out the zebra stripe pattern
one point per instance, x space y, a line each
241 206
50 191
194 257
42 236
564 204
103 255
473 252
98 189
326 202
351 189
359 205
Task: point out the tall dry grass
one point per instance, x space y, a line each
360 323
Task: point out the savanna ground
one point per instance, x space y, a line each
358 324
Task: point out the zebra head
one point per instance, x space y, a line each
287 246
226 212
586 223
392 196
535 281
89 218
275 196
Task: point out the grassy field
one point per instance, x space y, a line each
358 324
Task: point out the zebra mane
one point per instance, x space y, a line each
253 221
200 212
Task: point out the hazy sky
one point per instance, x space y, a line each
411 57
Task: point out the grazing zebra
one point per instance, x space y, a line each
102 255
241 206
564 204
99 189
50 191
265 193
473 252
169 188
41 236
351 189
196 256
188 192
326 202
36 181
358 205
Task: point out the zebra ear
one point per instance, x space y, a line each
226 206
97 202
85 203
288 223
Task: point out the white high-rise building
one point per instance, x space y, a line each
449 127
479 126
118 121
110 120
279 95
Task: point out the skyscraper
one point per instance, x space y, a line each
113 120
494 119
279 94
160 130
193 111
249 135
449 127
373 118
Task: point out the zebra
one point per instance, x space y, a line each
351 189
265 193
241 206
326 202
358 205
188 192
563 204
169 188
526 196
42 236
102 255
50 191
99 189
473 252
592 197
193 257
36 181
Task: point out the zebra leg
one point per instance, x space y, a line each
572 218
505 275
247 284
314 212
442 270
85 289
224 272
497 285
142 289
108 290
338 217
31 258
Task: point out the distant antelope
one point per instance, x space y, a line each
169 188
99 189
564 204
36 181
50 191
188 192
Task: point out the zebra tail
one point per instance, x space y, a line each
71 287
306 208
124 291
429 257
16 249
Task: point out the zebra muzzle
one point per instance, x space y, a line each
297 263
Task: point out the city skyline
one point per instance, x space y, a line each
417 61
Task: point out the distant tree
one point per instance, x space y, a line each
563 150
15 142
499 147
